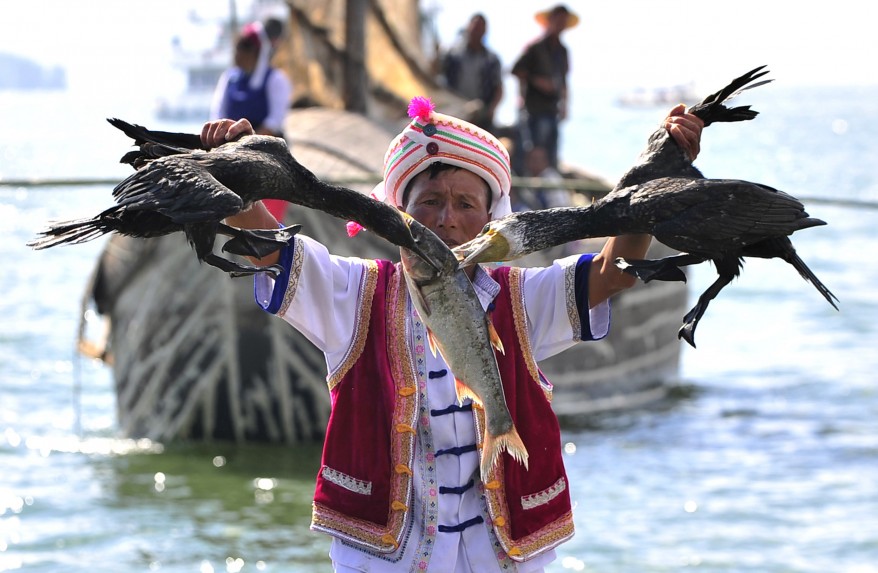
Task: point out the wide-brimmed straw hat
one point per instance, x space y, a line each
543 17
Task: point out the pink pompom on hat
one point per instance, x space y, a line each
433 137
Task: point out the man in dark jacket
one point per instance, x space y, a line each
542 74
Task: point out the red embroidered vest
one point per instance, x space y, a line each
364 487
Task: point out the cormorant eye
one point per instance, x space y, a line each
485 228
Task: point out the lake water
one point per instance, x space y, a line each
767 461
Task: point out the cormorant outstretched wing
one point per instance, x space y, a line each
179 188
153 144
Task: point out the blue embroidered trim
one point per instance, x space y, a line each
437 373
468 407
581 290
458 489
457 451
286 261
461 526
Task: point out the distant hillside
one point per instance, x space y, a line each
17 73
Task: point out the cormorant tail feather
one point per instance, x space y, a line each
70 233
711 110
809 276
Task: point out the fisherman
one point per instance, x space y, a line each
399 487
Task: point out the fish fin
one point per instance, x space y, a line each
432 343
495 338
463 392
493 446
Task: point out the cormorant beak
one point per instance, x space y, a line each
479 250
416 248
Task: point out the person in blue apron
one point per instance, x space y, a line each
253 89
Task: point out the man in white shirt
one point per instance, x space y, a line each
398 487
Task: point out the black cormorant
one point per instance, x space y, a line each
180 187
721 220
663 157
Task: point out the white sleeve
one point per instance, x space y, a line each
219 93
216 104
319 294
556 302
278 90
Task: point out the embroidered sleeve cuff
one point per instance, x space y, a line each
270 292
595 322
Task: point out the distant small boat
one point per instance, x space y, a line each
659 96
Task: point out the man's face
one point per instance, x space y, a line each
246 56
453 204
476 30
557 22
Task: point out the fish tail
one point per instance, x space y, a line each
495 445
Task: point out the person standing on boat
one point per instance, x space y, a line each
399 488
473 71
542 71
254 90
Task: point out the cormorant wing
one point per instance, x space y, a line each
154 144
141 135
729 214
180 188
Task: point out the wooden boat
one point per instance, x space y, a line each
193 356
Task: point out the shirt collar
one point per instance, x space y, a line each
486 288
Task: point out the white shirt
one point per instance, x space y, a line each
331 284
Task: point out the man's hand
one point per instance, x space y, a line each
685 128
215 133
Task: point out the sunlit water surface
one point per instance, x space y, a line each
766 460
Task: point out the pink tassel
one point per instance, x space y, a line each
421 107
353 228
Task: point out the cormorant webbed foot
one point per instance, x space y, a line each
256 242
235 269
690 321
687 331
649 270
666 269
273 270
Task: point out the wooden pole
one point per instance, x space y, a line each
354 90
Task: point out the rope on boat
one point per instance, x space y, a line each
587 187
